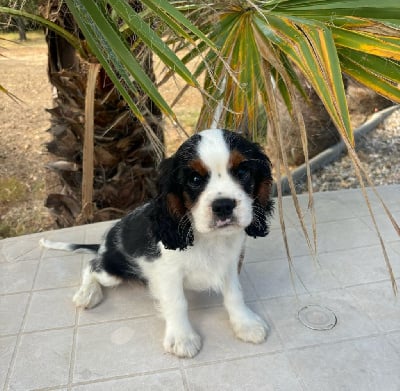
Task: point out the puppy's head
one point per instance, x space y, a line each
217 182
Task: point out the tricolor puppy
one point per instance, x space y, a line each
212 192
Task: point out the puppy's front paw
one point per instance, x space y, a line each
250 328
182 345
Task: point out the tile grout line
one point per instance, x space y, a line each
30 332
250 281
363 308
110 321
72 359
122 377
12 363
324 252
376 334
393 345
51 388
294 369
233 359
73 351
21 255
319 253
182 371
33 332
39 290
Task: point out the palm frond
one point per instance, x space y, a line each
10 94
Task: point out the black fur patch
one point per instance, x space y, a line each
258 184
172 225
130 238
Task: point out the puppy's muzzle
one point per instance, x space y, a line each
223 211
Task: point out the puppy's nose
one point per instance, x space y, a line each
223 207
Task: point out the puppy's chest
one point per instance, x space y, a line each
209 267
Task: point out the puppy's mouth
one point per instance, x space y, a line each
219 223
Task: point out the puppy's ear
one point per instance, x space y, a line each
262 205
171 222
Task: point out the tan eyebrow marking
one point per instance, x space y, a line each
235 159
198 166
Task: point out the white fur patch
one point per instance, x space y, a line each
213 151
215 154
90 293
62 246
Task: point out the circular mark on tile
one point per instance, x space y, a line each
316 317
122 335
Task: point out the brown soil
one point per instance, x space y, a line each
22 135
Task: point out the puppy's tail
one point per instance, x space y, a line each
91 248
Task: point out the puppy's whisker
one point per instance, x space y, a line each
183 223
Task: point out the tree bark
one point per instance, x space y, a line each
124 159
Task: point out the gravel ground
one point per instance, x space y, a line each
379 151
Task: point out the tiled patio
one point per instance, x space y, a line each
46 344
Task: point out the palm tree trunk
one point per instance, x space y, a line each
125 160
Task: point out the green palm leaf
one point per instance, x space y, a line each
314 35
114 55
312 49
379 74
153 41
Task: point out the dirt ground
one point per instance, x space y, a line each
22 135
23 125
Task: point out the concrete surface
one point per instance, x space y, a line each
46 344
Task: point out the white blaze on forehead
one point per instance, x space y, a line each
215 154
213 150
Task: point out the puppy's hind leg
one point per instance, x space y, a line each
90 293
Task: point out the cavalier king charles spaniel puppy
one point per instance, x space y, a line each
212 192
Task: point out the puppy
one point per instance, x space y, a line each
212 192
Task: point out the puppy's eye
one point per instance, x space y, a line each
242 173
195 180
